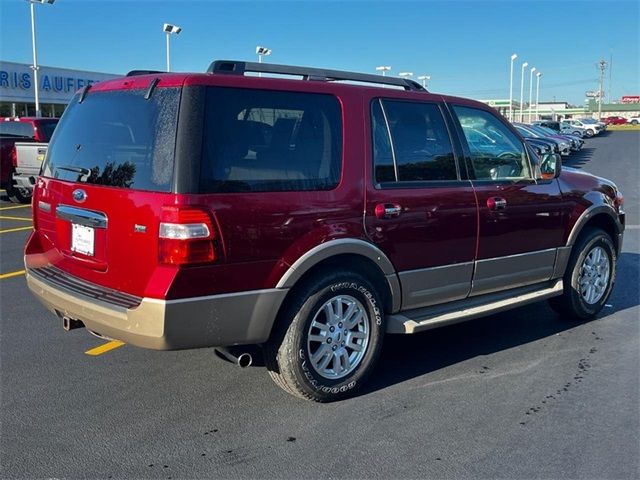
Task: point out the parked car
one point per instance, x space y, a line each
589 129
563 145
24 129
562 128
592 121
540 148
309 217
574 142
633 120
615 120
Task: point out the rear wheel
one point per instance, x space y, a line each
330 338
16 195
634 122
589 278
577 134
588 133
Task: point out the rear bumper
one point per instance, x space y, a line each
211 321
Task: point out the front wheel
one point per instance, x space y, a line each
589 278
330 337
634 122
589 133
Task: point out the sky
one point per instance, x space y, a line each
465 46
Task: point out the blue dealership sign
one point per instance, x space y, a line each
57 85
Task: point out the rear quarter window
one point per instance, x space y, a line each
262 140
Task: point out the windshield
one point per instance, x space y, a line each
588 120
118 139
525 132
541 131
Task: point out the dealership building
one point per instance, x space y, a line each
57 86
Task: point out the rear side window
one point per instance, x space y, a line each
16 129
411 143
262 140
118 139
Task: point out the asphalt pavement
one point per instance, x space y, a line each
522 394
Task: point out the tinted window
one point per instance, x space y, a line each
260 140
419 148
16 129
118 139
495 152
46 129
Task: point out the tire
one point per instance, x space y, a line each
577 134
589 133
579 302
634 122
16 196
319 364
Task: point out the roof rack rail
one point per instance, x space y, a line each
135 73
236 67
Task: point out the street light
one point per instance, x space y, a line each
513 57
384 69
424 79
34 67
262 51
169 30
524 65
533 69
538 95
405 74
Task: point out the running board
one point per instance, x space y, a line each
418 320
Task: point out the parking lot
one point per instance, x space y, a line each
522 394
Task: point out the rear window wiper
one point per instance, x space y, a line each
84 172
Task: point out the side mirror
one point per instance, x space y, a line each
551 166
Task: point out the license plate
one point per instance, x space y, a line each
82 239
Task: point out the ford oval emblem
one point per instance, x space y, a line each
79 195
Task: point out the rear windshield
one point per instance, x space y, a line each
117 139
16 129
261 140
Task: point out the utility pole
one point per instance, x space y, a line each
603 66
610 70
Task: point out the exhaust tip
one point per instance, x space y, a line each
245 360
71 324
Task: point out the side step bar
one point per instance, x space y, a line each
418 320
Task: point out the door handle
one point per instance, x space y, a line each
388 210
496 203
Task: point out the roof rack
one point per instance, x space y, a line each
135 73
236 67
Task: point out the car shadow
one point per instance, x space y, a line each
579 158
405 357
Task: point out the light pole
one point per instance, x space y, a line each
533 69
424 79
262 51
538 95
524 65
169 30
384 69
34 67
405 74
513 57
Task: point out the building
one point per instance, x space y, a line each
57 86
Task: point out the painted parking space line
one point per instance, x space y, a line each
14 207
9 230
11 274
104 348
24 219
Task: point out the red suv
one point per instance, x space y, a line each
307 217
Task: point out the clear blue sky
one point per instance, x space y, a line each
465 46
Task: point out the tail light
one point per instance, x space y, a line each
187 236
13 154
619 202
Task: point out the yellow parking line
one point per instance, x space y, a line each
14 207
24 219
104 348
15 229
11 274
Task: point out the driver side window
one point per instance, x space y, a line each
495 152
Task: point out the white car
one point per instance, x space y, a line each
633 120
590 129
568 129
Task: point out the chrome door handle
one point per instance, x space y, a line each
496 203
388 210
